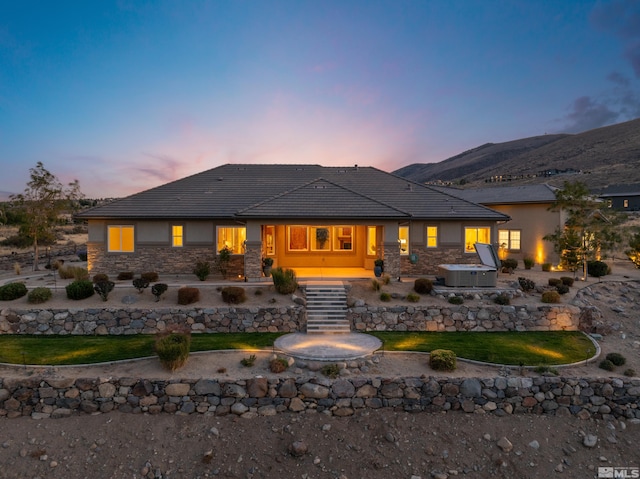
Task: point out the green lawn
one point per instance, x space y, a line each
527 348
531 348
68 350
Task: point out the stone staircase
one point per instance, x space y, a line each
327 308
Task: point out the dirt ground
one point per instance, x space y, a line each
372 444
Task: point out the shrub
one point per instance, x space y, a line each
125 276
502 299
375 285
103 288
509 263
597 268
331 370
555 282
233 295
12 291
73 272
413 298
39 295
546 370
568 280
442 360
173 349
150 276
188 295
562 289
607 365
546 267
140 284
629 372
17 269
278 365
456 299
248 362
386 297
528 263
550 297
202 270
423 286
526 284
99 277
284 280
158 290
616 358
80 289
222 261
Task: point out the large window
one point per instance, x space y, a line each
232 237
121 239
177 236
403 239
270 240
320 238
473 235
432 236
509 239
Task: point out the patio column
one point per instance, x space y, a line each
391 259
253 252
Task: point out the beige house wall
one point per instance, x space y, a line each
535 221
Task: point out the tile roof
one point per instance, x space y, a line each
236 191
500 195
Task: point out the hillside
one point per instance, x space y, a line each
601 157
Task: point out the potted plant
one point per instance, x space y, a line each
267 264
378 267
322 236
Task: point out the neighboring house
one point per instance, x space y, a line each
302 216
622 197
531 218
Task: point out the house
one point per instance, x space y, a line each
531 218
622 197
306 217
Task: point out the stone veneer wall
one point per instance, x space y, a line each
465 318
117 321
429 259
113 321
41 397
161 259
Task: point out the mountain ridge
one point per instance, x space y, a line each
599 158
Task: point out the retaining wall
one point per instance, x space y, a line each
118 321
46 397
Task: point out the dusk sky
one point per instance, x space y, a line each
127 95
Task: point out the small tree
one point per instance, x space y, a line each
223 260
42 201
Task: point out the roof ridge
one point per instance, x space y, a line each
315 180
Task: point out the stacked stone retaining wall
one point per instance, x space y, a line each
118 321
46 397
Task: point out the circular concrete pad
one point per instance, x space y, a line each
328 347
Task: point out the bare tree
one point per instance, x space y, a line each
42 201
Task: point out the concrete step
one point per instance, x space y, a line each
326 309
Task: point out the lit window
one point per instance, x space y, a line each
121 239
298 238
343 238
432 236
372 243
233 238
625 203
509 239
320 238
473 235
270 240
177 236
403 239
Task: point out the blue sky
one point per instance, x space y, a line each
126 95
